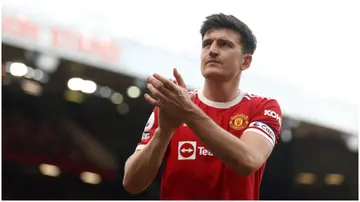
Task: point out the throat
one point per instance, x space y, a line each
224 92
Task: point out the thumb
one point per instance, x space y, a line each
178 78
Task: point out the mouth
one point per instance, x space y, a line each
213 62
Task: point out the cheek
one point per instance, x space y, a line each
232 67
234 62
202 60
202 56
237 64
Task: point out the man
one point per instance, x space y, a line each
215 141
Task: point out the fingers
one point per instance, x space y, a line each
156 93
151 100
155 82
174 81
160 86
192 96
179 78
167 83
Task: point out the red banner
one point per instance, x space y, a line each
61 38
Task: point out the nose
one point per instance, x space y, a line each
214 51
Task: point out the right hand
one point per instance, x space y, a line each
166 122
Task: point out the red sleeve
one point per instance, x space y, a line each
267 120
149 129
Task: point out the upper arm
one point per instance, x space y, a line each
148 133
263 131
149 130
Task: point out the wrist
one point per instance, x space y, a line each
161 139
164 132
194 114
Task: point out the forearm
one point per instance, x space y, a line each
228 148
142 167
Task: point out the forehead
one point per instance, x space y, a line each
223 33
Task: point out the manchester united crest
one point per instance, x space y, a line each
239 121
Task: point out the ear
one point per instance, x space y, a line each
246 61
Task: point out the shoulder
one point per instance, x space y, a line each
264 108
257 100
266 114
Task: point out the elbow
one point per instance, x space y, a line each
129 180
247 167
130 186
245 172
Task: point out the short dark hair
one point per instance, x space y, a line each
218 21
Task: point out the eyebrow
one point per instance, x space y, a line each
226 40
207 41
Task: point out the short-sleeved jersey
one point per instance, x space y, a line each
192 172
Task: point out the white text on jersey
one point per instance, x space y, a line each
272 114
204 152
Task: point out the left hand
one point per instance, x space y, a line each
172 98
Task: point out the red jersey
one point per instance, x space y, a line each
192 172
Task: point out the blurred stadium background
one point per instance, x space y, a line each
73 111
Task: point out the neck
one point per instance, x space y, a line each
221 92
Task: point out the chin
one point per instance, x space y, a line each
214 74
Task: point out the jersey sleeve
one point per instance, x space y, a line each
149 129
267 120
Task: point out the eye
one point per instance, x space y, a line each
206 43
223 43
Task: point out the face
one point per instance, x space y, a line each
221 56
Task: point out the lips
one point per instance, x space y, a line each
213 61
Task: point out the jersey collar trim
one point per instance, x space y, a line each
220 105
